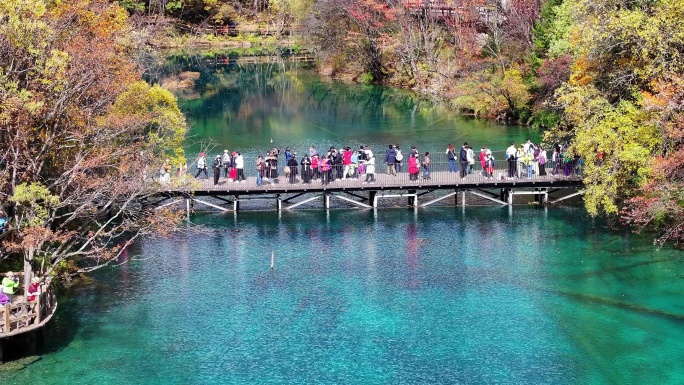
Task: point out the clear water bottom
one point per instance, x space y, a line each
445 295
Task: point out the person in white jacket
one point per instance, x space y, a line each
240 165
370 170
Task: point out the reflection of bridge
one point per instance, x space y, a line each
443 186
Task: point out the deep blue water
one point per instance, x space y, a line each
441 295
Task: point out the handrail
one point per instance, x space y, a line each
25 315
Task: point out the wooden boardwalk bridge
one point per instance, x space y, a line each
227 195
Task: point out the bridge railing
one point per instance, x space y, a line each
442 171
27 311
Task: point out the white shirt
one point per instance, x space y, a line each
511 151
239 162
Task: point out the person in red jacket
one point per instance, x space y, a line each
413 167
483 160
34 288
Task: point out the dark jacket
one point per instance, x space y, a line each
390 156
292 164
306 164
464 154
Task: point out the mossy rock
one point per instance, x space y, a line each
17 365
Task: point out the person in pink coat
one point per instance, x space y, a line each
413 167
483 160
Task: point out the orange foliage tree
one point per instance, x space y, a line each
78 133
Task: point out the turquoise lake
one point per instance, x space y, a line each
441 295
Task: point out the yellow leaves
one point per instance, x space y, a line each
582 70
156 111
101 18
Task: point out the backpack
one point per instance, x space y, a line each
399 156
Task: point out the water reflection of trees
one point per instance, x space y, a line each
291 92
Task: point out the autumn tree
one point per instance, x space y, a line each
80 134
627 59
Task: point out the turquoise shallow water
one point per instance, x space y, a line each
442 295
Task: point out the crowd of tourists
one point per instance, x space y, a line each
346 163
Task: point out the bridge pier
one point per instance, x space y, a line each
279 202
326 200
371 198
412 199
236 203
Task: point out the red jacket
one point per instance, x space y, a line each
413 165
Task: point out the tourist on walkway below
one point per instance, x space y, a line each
202 166
370 170
226 163
413 169
489 164
399 157
272 166
293 165
527 160
288 155
471 159
240 165
347 162
451 155
520 156
391 160
510 157
259 170
463 159
542 161
306 169
315 164
555 158
217 169
483 159
326 170
354 165
232 173
426 165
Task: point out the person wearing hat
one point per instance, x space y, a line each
202 166
34 288
10 284
217 169
226 163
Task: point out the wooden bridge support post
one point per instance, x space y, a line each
326 200
463 200
187 208
372 200
412 199
279 202
510 197
236 203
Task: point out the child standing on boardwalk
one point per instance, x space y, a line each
426 165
